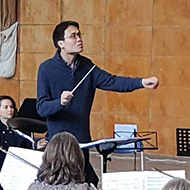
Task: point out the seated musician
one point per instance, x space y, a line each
62 166
8 136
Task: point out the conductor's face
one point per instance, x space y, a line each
72 44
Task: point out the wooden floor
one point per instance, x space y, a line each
125 162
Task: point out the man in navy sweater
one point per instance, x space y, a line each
57 77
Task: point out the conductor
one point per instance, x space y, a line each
68 108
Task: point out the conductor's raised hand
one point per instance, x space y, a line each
66 97
151 82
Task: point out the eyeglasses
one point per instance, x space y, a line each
74 36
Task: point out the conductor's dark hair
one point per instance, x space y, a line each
63 161
6 97
59 31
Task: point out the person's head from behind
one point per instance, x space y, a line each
63 161
67 38
177 184
7 108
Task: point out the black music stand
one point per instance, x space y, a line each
28 109
108 147
183 142
28 120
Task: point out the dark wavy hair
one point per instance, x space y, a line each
63 161
5 97
59 31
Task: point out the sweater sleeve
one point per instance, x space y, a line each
45 105
106 81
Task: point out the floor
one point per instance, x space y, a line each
125 162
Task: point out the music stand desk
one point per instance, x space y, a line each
107 146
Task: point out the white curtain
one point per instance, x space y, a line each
8 46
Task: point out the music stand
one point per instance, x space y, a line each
28 109
107 148
183 142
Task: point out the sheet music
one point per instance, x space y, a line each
17 175
122 180
141 180
155 180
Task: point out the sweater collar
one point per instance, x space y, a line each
58 56
62 61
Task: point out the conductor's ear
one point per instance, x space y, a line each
60 43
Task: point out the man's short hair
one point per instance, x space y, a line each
59 31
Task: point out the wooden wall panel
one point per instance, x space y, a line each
125 37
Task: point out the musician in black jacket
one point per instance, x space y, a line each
8 136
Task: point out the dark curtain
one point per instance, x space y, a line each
8 12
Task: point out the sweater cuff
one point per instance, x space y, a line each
141 85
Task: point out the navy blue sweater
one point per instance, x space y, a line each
54 76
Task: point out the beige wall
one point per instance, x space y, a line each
125 37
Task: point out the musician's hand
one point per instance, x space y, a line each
66 97
42 143
151 82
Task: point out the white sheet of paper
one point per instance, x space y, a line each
17 175
146 180
155 180
122 180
